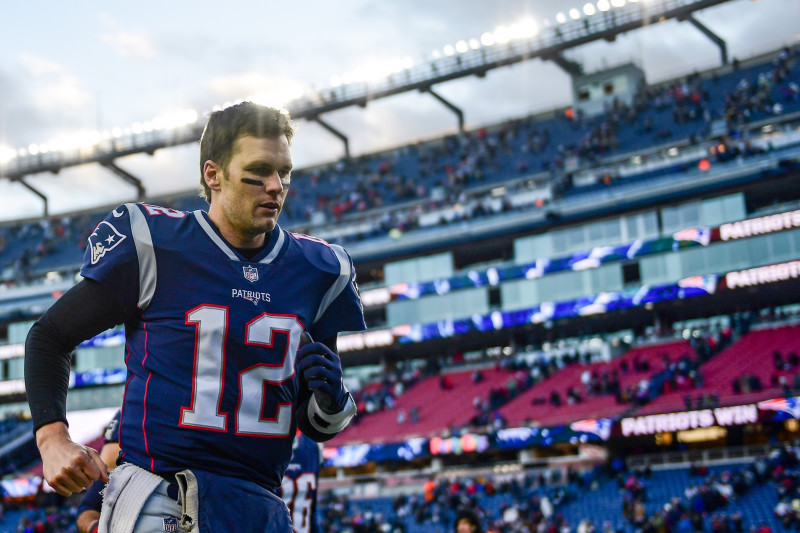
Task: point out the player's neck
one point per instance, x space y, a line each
237 239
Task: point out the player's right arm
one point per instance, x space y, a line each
81 313
106 297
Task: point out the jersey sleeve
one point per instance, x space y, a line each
341 308
111 258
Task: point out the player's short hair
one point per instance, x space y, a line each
224 127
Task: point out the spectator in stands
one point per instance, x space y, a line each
445 383
467 521
555 399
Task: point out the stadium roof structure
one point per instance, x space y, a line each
466 59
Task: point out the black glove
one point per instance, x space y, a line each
321 368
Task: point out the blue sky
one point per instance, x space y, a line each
90 65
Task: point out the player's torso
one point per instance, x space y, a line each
211 364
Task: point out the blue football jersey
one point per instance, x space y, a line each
299 485
111 433
212 337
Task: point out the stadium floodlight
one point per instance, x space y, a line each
502 35
474 43
347 78
147 126
561 18
574 14
462 47
603 5
177 119
618 3
408 62
335 82
116 132
22 152
487 39
449 50
524 29
33 149
7 154
137 128
589 9
436 54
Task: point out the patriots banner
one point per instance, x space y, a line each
699 235
600 427
785 407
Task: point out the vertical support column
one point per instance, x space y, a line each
336 132
126 176
458 112
716 39
37 193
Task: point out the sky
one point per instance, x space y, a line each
68 67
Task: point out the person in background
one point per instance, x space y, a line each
300 485
88 518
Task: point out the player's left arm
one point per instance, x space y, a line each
328 406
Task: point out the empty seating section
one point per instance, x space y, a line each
438 408
536 405
752 355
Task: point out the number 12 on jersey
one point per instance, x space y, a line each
211 323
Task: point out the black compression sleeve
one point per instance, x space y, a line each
82 312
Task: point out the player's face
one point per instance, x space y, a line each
254 188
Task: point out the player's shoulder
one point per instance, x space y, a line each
130 211
160 212
320 253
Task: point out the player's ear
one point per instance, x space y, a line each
212 174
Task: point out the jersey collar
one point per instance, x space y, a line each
266 256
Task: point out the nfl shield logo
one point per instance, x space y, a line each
250 273
170 525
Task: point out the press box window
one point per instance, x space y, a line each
630 273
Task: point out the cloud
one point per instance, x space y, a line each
39 66
52 85
66 91
135 44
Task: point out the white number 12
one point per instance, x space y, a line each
211 323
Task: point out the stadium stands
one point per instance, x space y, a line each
440 173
